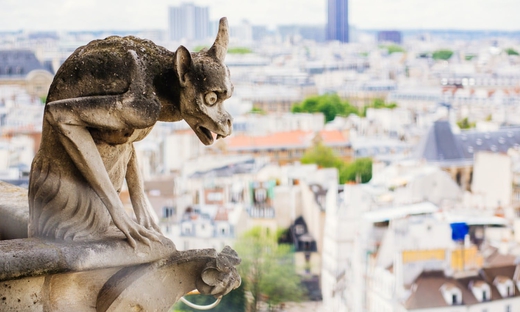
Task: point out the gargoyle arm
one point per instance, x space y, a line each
80 146
137 196
71 118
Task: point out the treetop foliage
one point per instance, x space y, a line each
511 51
465 123
393 48
331 106
239 50
443 54
359 170
267 268
328 104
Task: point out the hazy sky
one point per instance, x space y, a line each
365 14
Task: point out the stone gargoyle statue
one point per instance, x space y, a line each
107 95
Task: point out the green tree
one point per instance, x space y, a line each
465 123
329 104
358 171
511 51
322 156
443 54
377 103
239 50
394 48
267 269
258 110
235 301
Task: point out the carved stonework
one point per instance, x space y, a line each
107 95
215 274
38 275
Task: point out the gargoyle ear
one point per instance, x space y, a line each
182 64
220 46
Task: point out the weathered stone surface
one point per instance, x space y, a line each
153 286
14 211
35 256
22 295
106 96
138 287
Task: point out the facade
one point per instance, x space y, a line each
289 146
489 289
456 152
337 20
188 22
22 68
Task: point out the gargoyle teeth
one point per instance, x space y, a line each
219 136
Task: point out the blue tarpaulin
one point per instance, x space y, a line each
459 231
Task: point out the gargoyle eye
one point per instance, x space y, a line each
211 98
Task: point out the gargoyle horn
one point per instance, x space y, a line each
219 47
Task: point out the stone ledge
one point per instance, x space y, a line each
35 256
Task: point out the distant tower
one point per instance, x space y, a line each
337 21
189 22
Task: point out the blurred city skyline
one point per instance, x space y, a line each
71 15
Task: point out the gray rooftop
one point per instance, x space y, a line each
19 63
441 145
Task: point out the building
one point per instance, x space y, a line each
337 20
455 152
389 36
22 68
490 289
289 146
188 22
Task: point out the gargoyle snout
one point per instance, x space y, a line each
228 124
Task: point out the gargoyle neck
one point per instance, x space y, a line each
168 90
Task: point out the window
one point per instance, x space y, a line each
451 293
168 211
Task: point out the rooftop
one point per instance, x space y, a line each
18 63
286 140
441 145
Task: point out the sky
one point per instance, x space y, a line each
60 15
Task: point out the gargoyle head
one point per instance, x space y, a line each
205 84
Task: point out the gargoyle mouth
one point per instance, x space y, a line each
206 136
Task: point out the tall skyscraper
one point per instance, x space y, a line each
188 22
337 22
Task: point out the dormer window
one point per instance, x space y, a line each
481 290
451 294
505 286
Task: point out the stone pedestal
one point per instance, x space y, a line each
107 275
